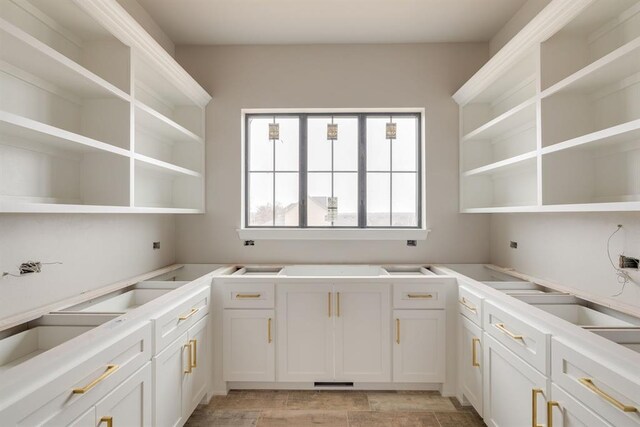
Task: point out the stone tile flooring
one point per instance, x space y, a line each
279 408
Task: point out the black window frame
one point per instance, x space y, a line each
362 169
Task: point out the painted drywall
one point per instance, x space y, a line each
325 76
521 18
570 249
95 250
146 21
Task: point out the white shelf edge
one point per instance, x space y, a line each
161 117
18 207
593 137
501 118
63 60
501 164
331 234
620 52
166 166
578 207
73 138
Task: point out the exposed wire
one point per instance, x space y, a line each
29 267
621 276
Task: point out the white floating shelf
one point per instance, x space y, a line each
164 167
503 165
156 123
625 132
14 206
512 119
26 53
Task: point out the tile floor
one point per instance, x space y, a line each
275 408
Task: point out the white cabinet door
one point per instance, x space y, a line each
248 341
471 362
510 386
362 332
130 403
88 419
419 346
565 411
305 332
196 380
169 370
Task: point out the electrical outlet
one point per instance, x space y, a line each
513 245
628 262
156 245
412 243
249 243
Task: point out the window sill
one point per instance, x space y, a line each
328 234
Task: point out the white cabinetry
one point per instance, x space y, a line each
565 411
471 362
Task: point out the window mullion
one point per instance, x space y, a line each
362 171
302 180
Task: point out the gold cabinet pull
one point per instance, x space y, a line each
194 343
269 331
189 369
550 405
110 370
468 306
329 303
248 295
588 383
534 407
474 352
504 329
397 331
108 420
423 296
338 304
191 313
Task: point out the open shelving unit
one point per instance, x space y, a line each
552 121
94 115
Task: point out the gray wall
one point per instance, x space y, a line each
341 76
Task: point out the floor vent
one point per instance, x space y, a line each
332 384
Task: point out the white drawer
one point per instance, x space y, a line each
519 335
602 387
470 305
76 387
566 411
174 322
248 295
419 295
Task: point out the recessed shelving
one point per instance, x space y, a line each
501 166
516 117
160 166
157 187
162 126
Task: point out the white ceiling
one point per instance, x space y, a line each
329 21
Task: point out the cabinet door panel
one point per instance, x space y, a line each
248 352
130 403
508 384
169 374
362 332
419 346
196 381
305 332
471 362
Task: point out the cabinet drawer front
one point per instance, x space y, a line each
130 403
567 411
174 322
248 295
93 377
609 392
470 305
419 295
519 335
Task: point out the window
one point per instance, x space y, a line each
333 170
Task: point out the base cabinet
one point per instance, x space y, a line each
565 411
471 362
180 375
419 346
248 345
515 394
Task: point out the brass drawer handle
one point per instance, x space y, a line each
248 295
504 329
189 369
474 353
194 343
534 407
550 405
588 383
422 296
110 370
468 306
269 339
397 331
191 313
108 420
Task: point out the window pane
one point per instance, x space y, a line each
405 145
345 148
318 147
318 189
261 199
378 151
287 147
345 188
260 147
287 199
404 200
378 199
